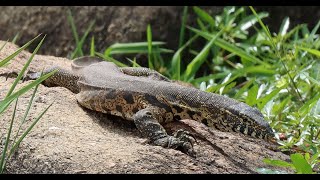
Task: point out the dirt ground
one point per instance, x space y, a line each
71 139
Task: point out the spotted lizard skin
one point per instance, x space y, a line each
104 87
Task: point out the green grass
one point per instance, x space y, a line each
10 145
238 56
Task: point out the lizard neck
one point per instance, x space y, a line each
63 78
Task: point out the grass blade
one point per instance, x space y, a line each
4 103
4 44
92 49
27 131
15 38
284 26
118 63
26 112
137 47
4 152
7 59
176 59
243 89
204 16
314 30
249 21
311 51
24 68
266 30
73 29
230 47
149 38
136 44
195 64
139 50
134 62
183 25
80 44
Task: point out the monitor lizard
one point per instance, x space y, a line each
149 99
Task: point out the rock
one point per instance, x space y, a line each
112 24
71 139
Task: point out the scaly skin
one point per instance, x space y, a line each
150 99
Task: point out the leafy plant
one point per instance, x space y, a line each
79 42
301 164
11 146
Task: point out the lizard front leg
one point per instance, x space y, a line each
62 78
147 124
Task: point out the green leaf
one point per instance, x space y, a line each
118 63
195 64
78 51
201 25
149 38
92 49
230 47
4 152
266 29
27 131
228 87
74 31
24 68
135 44
204 16
305 31
6 101
263 101
176 59
301 165
134 62
314 30
15 38
26 112
309 104
284 26
183 25
137 50
4 44
209 77
249 21
252 95
311 51
7 59
137 47
243 89
279 163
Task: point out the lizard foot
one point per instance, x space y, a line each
181 140
31 76
147 123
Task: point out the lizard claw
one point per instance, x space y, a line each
185 136
188 140
184 140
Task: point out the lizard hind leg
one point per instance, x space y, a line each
147 124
